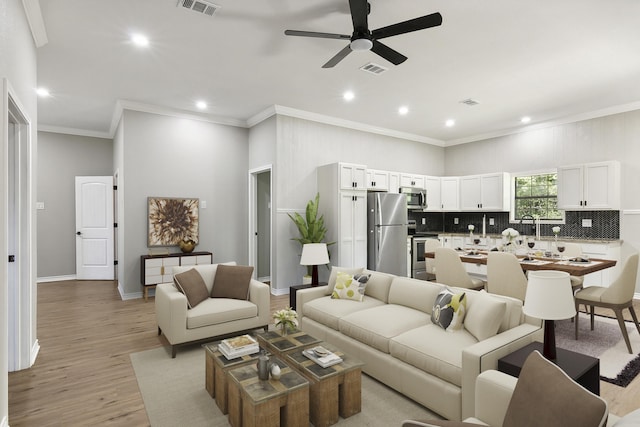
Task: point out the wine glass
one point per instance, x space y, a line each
531 242
561 247
476 241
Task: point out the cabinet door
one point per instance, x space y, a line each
394 182
352 251
377 180
570 187
353 177
449 193
411 180
470 191
493 190
601 186
360 231
432 185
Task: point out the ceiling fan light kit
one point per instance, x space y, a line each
364 39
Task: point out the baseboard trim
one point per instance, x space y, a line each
5 422
35 350
56 278
278 292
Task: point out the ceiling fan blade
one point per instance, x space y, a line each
315 34
396 58
338 57
415 24
359 12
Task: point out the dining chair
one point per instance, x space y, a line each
618 296
430 245
505 275
450 271
572 250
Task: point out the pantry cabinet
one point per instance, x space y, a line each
591 186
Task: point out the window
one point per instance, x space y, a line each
537 195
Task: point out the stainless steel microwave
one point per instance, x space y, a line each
416 197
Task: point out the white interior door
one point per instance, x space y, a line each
94 228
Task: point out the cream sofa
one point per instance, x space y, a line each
211 318
391 332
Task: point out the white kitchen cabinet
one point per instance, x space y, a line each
591 186
353 176
394 182
488 192
432 185
345 216
377 180
412 180
449 193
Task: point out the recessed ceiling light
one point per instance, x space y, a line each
348 95
201 105
525 119
140 40
449 123
403 110
42 92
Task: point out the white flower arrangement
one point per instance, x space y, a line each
556 230
510 234
287 318
471 227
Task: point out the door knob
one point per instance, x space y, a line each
79 233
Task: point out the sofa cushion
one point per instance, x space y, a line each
190 283
485 313
375 326
334 275
214 311
350 286
378 284
449 309
414 293
433 350
232 281
546 396
329 311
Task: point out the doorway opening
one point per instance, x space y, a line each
260 223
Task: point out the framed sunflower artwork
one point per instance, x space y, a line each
172 220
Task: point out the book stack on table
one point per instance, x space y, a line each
240 346
322 356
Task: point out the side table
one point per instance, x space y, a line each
583 369
295 288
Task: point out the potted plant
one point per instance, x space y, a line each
311 228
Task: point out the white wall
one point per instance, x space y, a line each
166 156
18 67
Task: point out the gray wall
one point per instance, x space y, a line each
174 157
60 159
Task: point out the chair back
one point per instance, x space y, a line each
623 288
430 245
572 250
449 269
505 275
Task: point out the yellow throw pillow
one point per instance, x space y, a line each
350 286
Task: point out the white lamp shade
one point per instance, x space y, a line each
314 254
549 296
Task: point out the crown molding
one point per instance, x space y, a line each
74 131
36 22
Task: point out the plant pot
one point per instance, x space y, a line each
306 280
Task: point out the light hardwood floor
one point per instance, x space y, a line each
83 374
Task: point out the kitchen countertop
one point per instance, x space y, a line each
545 238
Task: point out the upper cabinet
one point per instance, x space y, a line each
432 185
353 176
591 186
488 192
394 182
377 180
449 191
411 180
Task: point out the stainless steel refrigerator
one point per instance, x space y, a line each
387 240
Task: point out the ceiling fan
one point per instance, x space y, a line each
364 39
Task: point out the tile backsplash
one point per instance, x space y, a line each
604 224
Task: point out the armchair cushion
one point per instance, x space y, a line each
232 281
191 284
546 396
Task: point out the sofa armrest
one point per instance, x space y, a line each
493 394
303 296
171 310
260 295
484 355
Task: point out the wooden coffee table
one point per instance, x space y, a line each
334 391
216 367
278 344
267 403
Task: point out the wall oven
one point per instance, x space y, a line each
416 197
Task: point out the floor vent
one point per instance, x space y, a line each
470 102
200 6
374 68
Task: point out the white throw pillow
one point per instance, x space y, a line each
484 315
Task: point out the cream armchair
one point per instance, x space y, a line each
213 317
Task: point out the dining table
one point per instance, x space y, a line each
532 263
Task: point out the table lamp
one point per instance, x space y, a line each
549 297
314 254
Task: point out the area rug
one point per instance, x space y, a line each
605 342
174 394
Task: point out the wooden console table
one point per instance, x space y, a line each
156 269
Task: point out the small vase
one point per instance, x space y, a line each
283 330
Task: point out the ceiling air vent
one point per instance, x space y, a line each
470 102
200 6
374 68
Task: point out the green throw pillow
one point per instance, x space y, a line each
449 310
350 287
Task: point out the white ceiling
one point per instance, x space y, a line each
548 59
